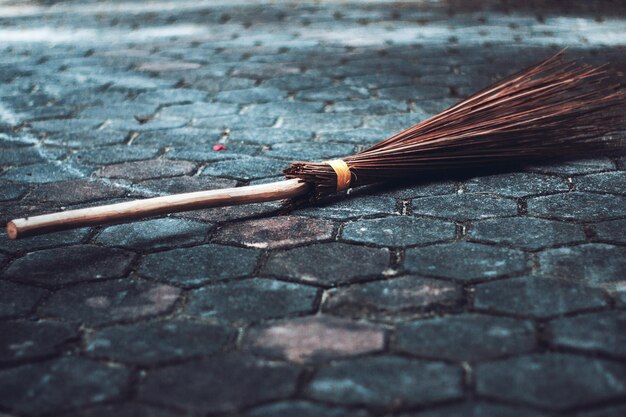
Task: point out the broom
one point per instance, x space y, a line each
553 109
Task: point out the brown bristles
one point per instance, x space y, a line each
553 109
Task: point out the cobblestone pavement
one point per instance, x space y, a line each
484 295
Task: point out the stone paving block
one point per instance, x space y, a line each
220 384
370 106
328 263
333 94
199 110
608 182
199 264
318 338
206 153
538 297
275 232
478 409
386 381
154 234
364 136
463 207
574 166
283 108
392 297
578 206
234 121
87 139
271 135
323 122
171 96
24 340
60 384
114 155
516 184
611 231
51 267
553 380
526 232
399 231
17 300
611 411
420 92
424 188
64 238
295 82
350 207
594 332
158 341
591 264
251 95
73 192
111 301
122 410
312 151
246 168
304 409
251 300
465 261
28 155
152 123
144 170
467 337
172 185
178 137
119 110
10 191
42 173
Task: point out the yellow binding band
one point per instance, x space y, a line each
343 173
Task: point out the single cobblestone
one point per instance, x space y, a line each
594 332
553 380
352 207
304 409
202 264
608 182
525 232
480 261
42 173
160 341
17 300
516 184
251 300
276 232
399 231
593 264
110 301
154 234
24 340
537 297
462 207
466 337
52 267
385 381
69 237
578 206
612 231
577 166
317 338
73 192
478 410
391 297
328 263
220 384
144 170
60 384
246 168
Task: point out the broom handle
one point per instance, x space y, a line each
174 203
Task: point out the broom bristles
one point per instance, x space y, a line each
552 109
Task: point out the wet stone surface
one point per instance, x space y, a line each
492 292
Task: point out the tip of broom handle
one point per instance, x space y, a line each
12 230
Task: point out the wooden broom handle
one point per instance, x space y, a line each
119 212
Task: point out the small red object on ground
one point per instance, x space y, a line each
219 147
